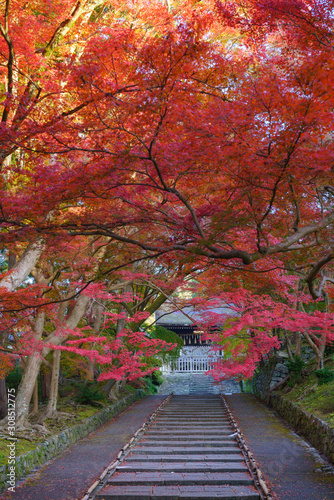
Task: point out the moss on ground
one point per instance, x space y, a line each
313 398
69 417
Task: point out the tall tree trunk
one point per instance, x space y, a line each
26 389
51 408
30 374
34 361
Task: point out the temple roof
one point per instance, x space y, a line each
177 317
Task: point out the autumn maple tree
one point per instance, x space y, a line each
191 132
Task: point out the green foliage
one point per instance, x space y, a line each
159 332
88 394
73 365
13 378
295 367
156 378
129 389
329 349
150 387
324 376
152 382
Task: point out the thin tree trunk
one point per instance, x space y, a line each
322 347
90 368
96 328
288 346
298 344
45 383
114 391
3 398
34 411
315 348
122 385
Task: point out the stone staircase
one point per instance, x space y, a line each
188 452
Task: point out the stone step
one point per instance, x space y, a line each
194 415
194 406
203 457
189 437
199 432
187 450
196 419
193 427
185 411
208 492
190 413
187 478
181 441
188 408
182 467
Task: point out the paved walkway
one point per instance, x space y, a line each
69 476
285 459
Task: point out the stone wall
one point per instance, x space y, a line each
186 383
54 445
316 431
274 371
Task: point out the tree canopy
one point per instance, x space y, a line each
193 136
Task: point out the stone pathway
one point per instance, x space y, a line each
286 460
188 452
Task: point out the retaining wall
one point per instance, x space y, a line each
55 444
315 430
273 371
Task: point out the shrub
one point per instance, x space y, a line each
13 378
88 394
324 376
295 367
150 388
156 378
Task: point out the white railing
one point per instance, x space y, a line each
195 363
